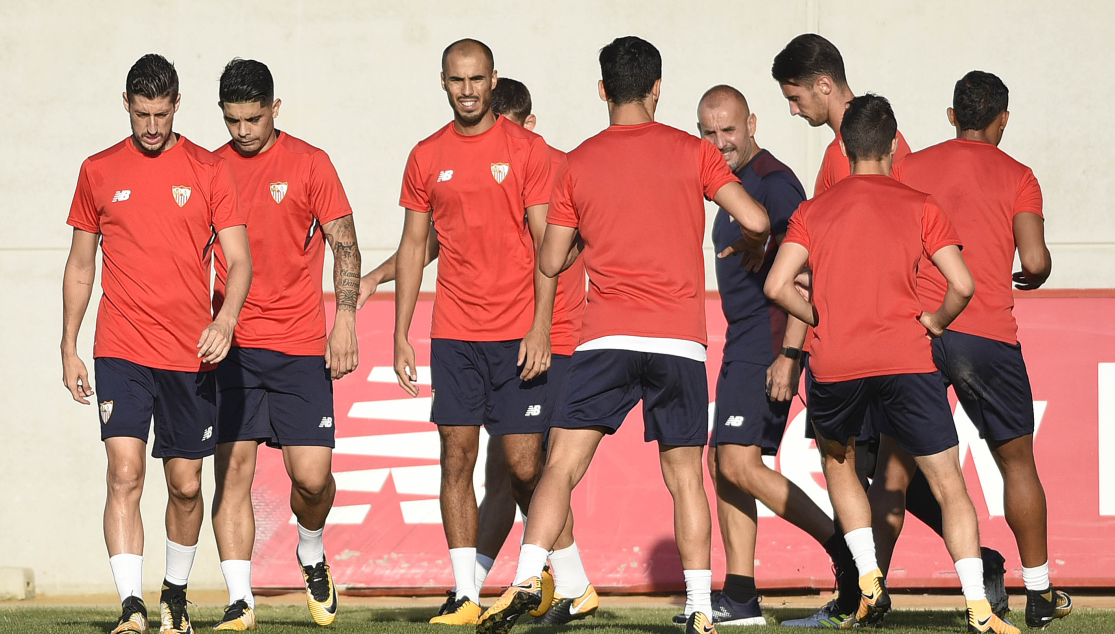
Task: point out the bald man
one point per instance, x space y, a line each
759 374
490 337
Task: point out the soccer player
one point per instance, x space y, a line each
275 386
756 385
156 203
995 204
634 193
490 338
869 347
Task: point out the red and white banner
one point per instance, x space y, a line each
385 529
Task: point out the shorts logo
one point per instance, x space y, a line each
533 410
326 421
121 195
106 411
278 192
734 421
181 194
207 434
499 171
444 175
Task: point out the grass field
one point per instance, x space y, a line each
284 619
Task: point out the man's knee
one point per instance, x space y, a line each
312 486
740 466
125 478
184 488
458 460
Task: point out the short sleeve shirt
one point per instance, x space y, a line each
569 303
835 167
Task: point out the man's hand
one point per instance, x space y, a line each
1022 283
215 341
534 353
342 354
368 285
752 254
75 377
929 321
782 379
405 369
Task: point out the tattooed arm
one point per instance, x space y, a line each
342 354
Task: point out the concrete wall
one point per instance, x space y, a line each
361 81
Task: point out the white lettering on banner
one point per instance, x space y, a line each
1106 440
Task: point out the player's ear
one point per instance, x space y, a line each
127 103
824 84
443 82
894 145
952 116
600 89
530 122
177 101
656 90
1003 120
275 108
752 124
843 150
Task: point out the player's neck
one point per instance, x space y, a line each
480 127
880 167
975 135
634 113
837 105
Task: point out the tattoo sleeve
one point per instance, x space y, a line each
346 262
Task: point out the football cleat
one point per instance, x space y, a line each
994 581
829 617
239 617
873 603
525 598
172 608
548 591
463 611
699 623
321 593
450 599
564 610
981 620
133 617
725 611
1043 607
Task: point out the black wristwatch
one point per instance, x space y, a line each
791 353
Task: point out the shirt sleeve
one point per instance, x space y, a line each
537 180
414 194
937 231
562 211
224 208
795 230
1029 196
328 201
83 209
715 172
782 199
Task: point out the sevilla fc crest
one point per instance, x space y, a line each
278 191
499 171
106 411
181 194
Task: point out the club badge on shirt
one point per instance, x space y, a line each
499 171
278 191
181 194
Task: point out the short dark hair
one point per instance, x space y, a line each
245 81
629 66
468 43
868 128
978 98
153 77
511 98
807 57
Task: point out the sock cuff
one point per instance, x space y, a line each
302 530
462 551
125 557
179 548
696 575
485 561
571 551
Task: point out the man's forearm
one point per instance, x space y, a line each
236 291
795 305
77 288
408 282
545 290
953 304
346 275
796 330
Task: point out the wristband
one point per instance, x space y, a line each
791 353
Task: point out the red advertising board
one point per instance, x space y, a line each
385 531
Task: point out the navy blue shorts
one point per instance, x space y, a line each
916 408
276 398
604 385
555 383
477 383
744 414
990 381
183 404
873 419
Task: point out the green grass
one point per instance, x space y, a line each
366 620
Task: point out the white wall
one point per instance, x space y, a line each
361 81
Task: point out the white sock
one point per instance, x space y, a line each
484 565
127 572
464 572
532 558
862 544
238 580
179 561
698 592
311 547
970 571
570 579
1036 578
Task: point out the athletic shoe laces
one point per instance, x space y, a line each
235 610
317 578
177 605
131 606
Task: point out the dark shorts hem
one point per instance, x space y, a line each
302 442
179 453
579 424
459 422
700 441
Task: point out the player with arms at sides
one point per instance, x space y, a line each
574 596
643 331
995 204
869 347
756 384
490 337
276 384
156 203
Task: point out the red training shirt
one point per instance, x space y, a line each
569 304
286 193
834 166
865 237
158 218
476 188
635 194
982 190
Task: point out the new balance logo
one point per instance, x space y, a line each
534 410
326 421
734 421
444 175
123 194
207 434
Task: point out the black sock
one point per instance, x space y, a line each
739 588
171 588
847 575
